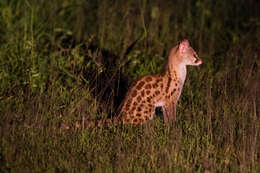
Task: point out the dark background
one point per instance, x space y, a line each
67 61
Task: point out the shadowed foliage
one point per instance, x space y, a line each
64 62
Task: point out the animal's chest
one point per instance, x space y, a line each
172 89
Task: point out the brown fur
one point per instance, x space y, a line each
157 90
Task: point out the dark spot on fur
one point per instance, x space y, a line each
142 93
174 72
148 86
158 80
161 85
168 84
138 115
139 109
140 85
157 92
174 90
127 120
148 92
155 85
134 93
129 102
149 78
139 98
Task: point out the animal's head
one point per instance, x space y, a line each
187 55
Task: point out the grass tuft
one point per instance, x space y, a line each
63 62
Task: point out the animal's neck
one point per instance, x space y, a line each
181 71
176 67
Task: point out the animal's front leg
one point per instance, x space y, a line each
172 111
169 113
165 110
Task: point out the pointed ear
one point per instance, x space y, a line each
184 45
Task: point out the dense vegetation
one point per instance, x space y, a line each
65 61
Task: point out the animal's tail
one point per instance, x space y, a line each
102 122
83 124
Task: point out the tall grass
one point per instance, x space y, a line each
62 62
